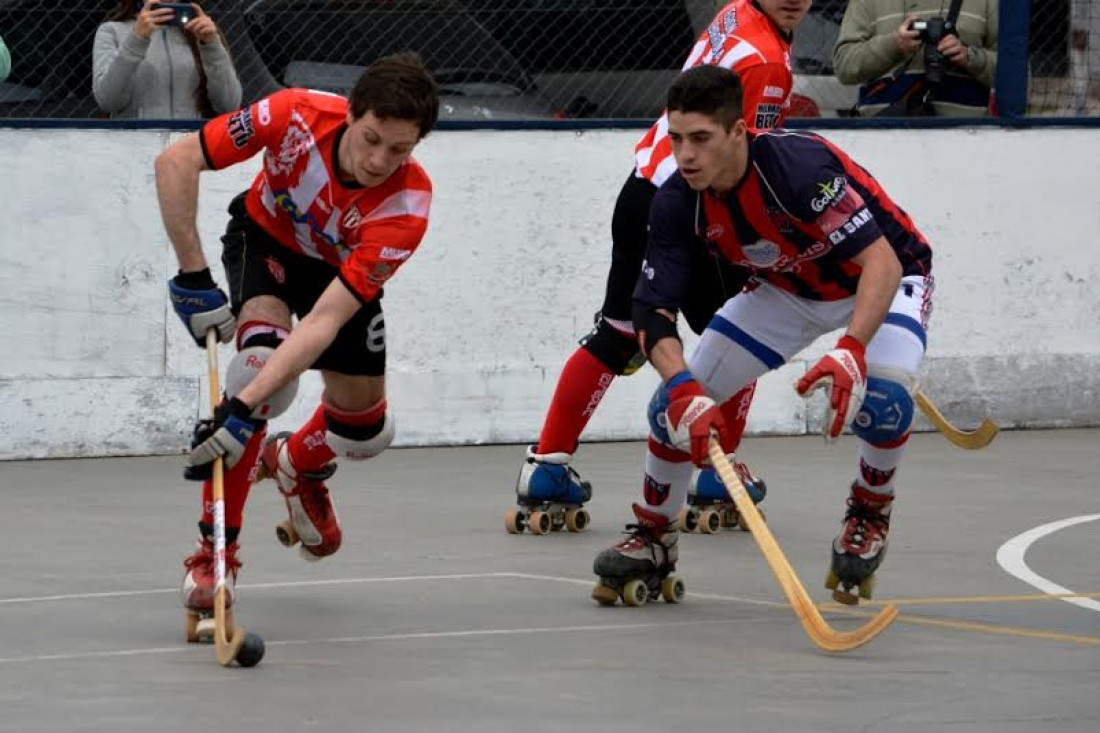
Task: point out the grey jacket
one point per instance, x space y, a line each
866 49
156 79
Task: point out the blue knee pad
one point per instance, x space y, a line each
658 421
886 412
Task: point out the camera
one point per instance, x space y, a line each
932 31
182 15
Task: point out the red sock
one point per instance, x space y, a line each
307 447
735 411
582 385
237 482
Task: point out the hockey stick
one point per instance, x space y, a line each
229 637
968 439
816 627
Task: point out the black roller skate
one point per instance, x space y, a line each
709 506
639 568
860 547
550 495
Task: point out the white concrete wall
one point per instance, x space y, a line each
481 319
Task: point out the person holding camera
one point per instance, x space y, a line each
919 57
163 61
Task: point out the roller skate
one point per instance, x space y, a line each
313 524
860 547
640 568
709 506
550 495
197 590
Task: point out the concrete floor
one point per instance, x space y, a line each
431 617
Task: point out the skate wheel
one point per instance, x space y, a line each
576 519
191 626
515 521
286 534
635 593
709 522
672 589
538 523
844 596
867 587
689 519
251 651
605 595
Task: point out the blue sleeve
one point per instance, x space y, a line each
817 186
666 270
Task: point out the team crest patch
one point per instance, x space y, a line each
353 218
762 254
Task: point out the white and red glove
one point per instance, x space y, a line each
691 416
844 371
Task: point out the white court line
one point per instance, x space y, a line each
385 637
288 584
1010 556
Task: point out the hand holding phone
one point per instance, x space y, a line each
182 13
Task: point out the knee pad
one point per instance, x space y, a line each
658 420
616 350
358 436
256 343
887 409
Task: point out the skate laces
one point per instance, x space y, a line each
203 557
864 523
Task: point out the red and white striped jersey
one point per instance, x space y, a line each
741 37
299 199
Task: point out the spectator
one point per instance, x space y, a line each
146 66
5 61
1085 27
879 49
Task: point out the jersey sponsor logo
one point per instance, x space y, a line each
715 232
774 92
284 201
718 31
767 115
852 225
763 254
832 192
393 253
240 127
276 269
729 20
647 270
263 110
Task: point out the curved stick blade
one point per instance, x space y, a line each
819 631
975 439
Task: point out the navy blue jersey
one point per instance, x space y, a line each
801 212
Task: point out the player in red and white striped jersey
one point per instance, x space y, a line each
337 208
752 37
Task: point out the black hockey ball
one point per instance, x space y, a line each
251 651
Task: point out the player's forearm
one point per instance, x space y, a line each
878 284
177 176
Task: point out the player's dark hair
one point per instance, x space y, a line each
709 90
398 87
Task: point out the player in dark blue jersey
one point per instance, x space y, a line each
827 249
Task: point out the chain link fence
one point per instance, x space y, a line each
500 59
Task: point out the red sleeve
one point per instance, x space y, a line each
767 89
237 136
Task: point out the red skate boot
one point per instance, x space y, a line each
640 568
861 545
197 589
313 521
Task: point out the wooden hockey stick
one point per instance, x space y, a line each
815 626
968 439
228 636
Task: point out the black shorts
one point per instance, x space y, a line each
714 279
257 264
